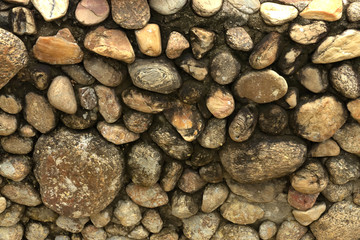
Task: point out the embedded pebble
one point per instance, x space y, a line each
109 105
152 221
206 8
90 12
238 39
16 144
149 40
348 138
201 41
213 197
127 212
190 181
51 10
132 14
61 95
116 133
36 231
8 124
149 197
277 14
10 104
309 33
201 226
176 44
166 7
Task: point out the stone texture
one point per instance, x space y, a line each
323 10
238 39
13 56
309 33
110 43
36 231
273 119
109 105
343 168
133 14
11 215
213 197
353 11
277 14
291 59
314 78
318 119
167 7
271 157
87 97
10 104
128 213
290 230
224 68
348 138
328 51
152 221
198 69
212 172
168 233
41 214
261 86
60 49
171 174
345 80
183 205
15 232
91 232
21 193
90 12
201 226
8 124
23 21
16 144
51 10
243 124
267 230
337 192
220 102
78 73
61 95
305 218
149 40
116 133
327 148
190 181
102 218
301 201
201 41
206 8
68 180
73 225
235 232
176 44
214 134
149 197
15 167
137 122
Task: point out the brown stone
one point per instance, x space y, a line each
326 148
149 40
305 218
201 41
238 39
8 124
116 133
23 21
21 193
109 105
130 14
196 68
290 230
60 49
88 98
176 44
308 34
10 104
149 197
220 102
152 221
61 95
91 12
15 167
190 181
110 43
301 201
328 10
171 174
137 122
348 137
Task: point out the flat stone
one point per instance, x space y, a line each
157 75
176 44
345 80
301 201
201 226
116 133
305 218
61 95
271 157
149 197
51 10
69 182
309 33
8 124
201 41
13 55
328 51
348 138
278 210
238 39
110 43
16 144
206 8
109 105
327 148
339 223
166 7
290 230
133 14
21 193
127 212
149 40
261 86
23 21
91 12
323 10
354 109
277 14
318 119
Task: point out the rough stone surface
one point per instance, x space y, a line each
309 33
343 168
201 41
15 167
214 134
214 196
301 201
354 109
183 205
132 14
327 148
149 197
220 102
267 230
109 105
314 78
176 44
345 80
15 232
36 231
127 212
152 221
206 8
235 232
190 181
73 225
8 124
238 39
348 138
16 144
116 133
353 11
51 10
201 226
290 230
224 68
243 124
337 192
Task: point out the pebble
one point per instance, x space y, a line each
267 230
323 10
109 105
116 133
243 124
14 56
11 215
291 59
345 80
107 72
214 134
171 174
343 168
177 43
201 41
91 232
36 231
240 212
82 119
166 233
139 232
309 33
202 156
21 193
40 75
273 119
149 197
60 188
73 225
278 210
198 69
327 148
311 178
340 222
266 51
212 172
201 226
305 218
353 11
261 164
16 144
246 6
149 40
166 7
190 181
277 14
354 109
235 232
15 232
61 95
78 73
183 205
337 192
87 97
238 39
10 104
102 218
224 68
22 2
348 138
60 49
41 213
317 109
137 122
301 201
90 12
290 230
110 43
22 20
51 10
261 86
8 124
291 98
152 221
206 8
327 52
2 204
133 14
27 131
127 212
213 197
314 78
144 164
220 102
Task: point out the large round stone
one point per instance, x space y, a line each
79 172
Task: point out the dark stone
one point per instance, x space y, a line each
273 119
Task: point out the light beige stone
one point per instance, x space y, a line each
206 8
149 40
326 148
277 14
116 133
328 10
354 109
91 12
305 218
61 95
308 34
177 43
51 9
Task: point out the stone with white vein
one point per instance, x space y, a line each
51 9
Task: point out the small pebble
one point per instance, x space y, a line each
149 40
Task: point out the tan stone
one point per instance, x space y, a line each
8 124
176 44
149 197
26 18
327 10
51 9
220 102
237 38
10 104
130 14
109 105
116 133
326 148
206 8
202 41
91 12
149 40
110 43
354 109
59 49
16 144
305 218
61 95
308 34
277 14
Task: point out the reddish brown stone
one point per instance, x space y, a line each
301 201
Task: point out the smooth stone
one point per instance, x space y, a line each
8 124
78 73
116 133
13 56
171 174
11 215
149 197
111 43
238 39
127 212
224 68
149 40
14 232
167 7
21 193
91 232
345 80
323 10
23 21
235 232
277 14
353 12
61 95
309 118
137 122
214 134
60 49
206 8
290 230
314 78
354 109
243 124
220 102
51 9
305 218
327 148
261 86
69 182
133 14
10 104
102 218
201 226
337 192
176 44
309 33
267 230
213 197
16 144
109 105
183 205
190 181
73 225
328 50
39 113
15 167
273 119
152 221
88 98
348 137
91 12
201 41
157 75
270 157
36 231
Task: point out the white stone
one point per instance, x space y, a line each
51 9
206 8
277 14
167 7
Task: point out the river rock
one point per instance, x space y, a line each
149 40
10 104
73 225
206 8
323 10
90 12
102 218
214 134
270 157
224 68
183 205
116 133
198 69
267 230
15 167
176 44
149 197
137 122
353 11
133 14
238 39
301 201
327 148
78 73
290 230
309 33
61 95
277 14
201 41
8 124
213 197
127 212
314 78
23 21
201 226
273 119
152 221
166 7
11 215
345 80
343 168
36 231
354 109
235 232
68 181
15 232
243 124
16 144
171 174
109 105
305 218
220 102
337 192
21 193
348 138
51 10
91 232
190 181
